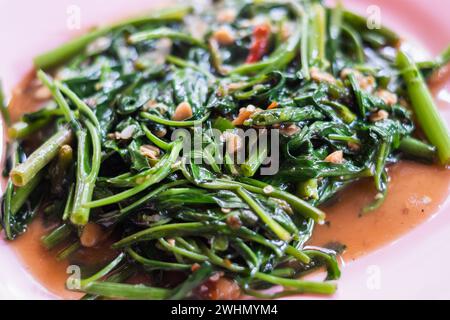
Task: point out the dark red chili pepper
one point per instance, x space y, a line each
260 43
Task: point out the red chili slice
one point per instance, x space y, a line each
260 43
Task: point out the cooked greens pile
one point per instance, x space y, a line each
98 158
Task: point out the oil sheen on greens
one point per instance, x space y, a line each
97 159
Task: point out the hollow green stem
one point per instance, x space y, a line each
187 64
178 251
172 123
154 139
308 189
380 165
343 111
358 94
360 23
57 236
86 177
283 55
69 204
171 230
334 30
25 172
304 47
300 206
126 291
125 211
301 286
258 155
68 251
103 272
21 194
59 99
418 149
329 259
444 57
318 36
297 254
192 282
337 137
425 108
71 48
83 107
264 216
164 169
283 115
218 261
21 130
156 264
7 210
166 33
123 274
357 42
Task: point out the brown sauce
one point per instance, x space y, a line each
415 193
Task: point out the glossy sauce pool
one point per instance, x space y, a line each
415 193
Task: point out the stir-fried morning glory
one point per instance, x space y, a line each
145 145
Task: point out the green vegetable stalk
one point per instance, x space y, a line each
87 172
71 48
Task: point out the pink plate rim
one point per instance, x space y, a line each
413 267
